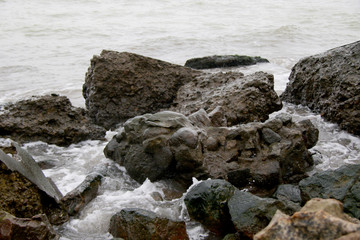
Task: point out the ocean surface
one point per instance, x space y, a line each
46 47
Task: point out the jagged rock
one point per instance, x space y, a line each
230 98
250 213
223 61
328 83
34 228
78 198
51 119
206 203
119 86
342 184
25 191
318 219
167 145
139 224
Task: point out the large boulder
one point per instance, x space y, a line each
206 203
220 61
254 155
119 86
51 119
235 97
139 224
319 219
342 184
329 84
34 228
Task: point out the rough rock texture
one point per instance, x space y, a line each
233 96
223 61
318 219
51 119
206 203
342 184
119 86
78 198
254 155
35 228
329 83
138 224
250 213
23 199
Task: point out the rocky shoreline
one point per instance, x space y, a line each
177 123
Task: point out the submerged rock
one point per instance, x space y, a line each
329 84
342 184
217 61
51 119
34 228
167 145
119 86
139 224
319 219
235 97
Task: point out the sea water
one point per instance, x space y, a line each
46 47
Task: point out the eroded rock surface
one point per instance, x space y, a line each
329 84
220 61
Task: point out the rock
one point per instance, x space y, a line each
328 83
350 236
290 196
35 228
78 198
250 213
138 224
318 219
24 199
51 119
166 145
342 184
119 86
230 98
206 203
223 61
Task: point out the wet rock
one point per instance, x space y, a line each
342 184
138 224
206 203
119 86
328 83
250 213
290 195
166 145
229 98
78 198
34 228
223 61
51 119
318 219
23 198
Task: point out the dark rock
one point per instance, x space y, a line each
229 98
119 86
166 145
342 184
328 83
288 192
250 213
206 203
138 224
78 198
223 61
318 219
51 119
34 228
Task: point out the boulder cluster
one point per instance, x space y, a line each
177 123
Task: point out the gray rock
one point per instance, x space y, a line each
51 119
328 83
223 61
270 136
119 86
139 224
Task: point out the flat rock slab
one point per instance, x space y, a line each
221 61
